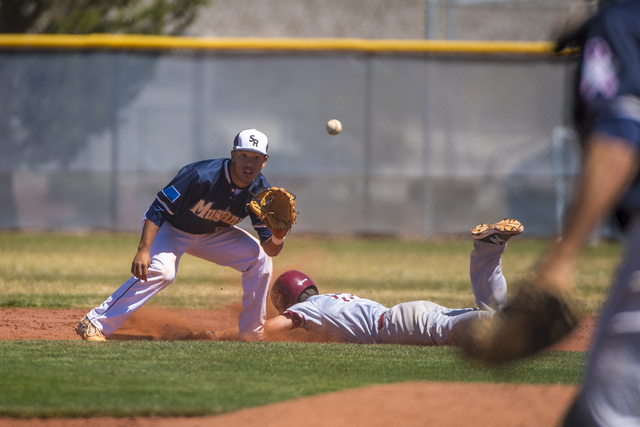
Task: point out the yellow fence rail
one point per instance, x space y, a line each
144 42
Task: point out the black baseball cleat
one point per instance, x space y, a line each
497 233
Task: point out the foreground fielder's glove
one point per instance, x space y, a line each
276 207
535 318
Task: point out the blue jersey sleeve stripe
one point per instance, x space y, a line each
165 206
226 171
626 107
156 213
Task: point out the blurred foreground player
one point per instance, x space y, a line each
197 213
608 120
608 114
351 319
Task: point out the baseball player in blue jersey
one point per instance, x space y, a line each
352 319
608 116
197 213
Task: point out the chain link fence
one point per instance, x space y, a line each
432 144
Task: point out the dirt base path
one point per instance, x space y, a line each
406 404
151 323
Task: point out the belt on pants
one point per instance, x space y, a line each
381 322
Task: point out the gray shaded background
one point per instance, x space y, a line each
431 144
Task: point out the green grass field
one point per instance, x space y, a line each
74 378
65 270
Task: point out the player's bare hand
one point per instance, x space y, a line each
140 265
556 271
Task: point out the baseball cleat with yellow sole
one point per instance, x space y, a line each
497 233
88 331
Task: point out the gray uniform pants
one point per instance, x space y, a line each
611 392
427 323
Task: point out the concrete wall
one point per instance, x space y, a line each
526 20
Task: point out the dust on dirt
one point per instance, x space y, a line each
153 323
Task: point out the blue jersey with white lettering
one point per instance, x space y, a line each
202 198
608 91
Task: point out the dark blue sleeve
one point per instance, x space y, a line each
620 127
609 85
156 213
263 232
185 186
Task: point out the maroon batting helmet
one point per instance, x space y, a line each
288 287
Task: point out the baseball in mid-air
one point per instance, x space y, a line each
334 127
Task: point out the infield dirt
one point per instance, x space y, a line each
406 404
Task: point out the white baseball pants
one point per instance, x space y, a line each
230 247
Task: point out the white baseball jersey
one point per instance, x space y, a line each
344 316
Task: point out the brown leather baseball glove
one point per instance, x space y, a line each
534 319
276 207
